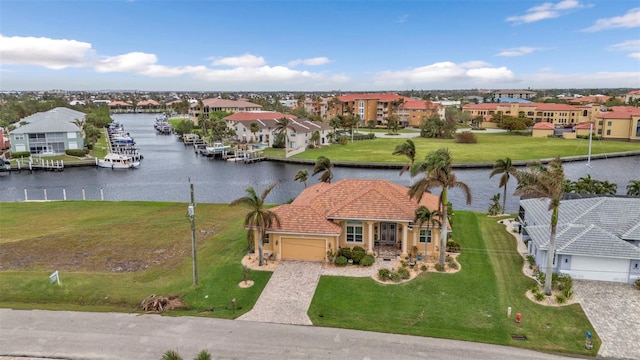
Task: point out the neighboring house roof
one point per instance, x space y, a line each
595 226
258 115
584 125
349 199
148 103
119 103
226 103
544 126
59 119
419 104
620 112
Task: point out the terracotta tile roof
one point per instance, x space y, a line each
303 220
148 103
419 104
258 115
544 126
380 97
119 103
483 106
226 103
584 125
634 92
591 99
620 112
362 199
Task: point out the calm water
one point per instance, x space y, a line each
168 166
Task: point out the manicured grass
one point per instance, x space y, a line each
111 255
490 147
468 305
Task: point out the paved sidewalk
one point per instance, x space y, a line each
614 312
287 296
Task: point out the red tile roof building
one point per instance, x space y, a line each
211 105
557 114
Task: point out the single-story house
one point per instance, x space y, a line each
543 129
597 238
348 213
51 132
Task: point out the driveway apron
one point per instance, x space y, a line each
288 294
614 312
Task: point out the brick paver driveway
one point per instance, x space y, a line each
287 296
614 312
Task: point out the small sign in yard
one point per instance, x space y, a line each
54 277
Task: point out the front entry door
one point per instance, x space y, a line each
387 233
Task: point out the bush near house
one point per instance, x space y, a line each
341 261
20 154
76 152
453 246
466 137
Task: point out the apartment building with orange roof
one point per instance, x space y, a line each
558 114
214 104
619 123
373 106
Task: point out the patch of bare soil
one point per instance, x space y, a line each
246 284
252 262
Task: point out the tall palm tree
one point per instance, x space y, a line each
506 168
259 217
633 189
540 181
302 176
315 138
282 127
254 128
424 215
438 173
407 149
323 165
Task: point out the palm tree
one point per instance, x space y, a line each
258 218
439 173
506 168
540 181
282 127
633 189
494 208
302 176
323 165
254 128
315 138
424 215
407 149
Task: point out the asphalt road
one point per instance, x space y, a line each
79 335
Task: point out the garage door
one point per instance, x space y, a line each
303 249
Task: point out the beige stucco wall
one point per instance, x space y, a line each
541 132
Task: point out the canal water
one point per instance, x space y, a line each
168 167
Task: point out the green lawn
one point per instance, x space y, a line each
111 255
490 147
468 305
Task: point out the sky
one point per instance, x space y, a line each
348 45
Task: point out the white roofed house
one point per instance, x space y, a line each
597 238
49 133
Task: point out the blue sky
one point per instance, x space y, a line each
318 45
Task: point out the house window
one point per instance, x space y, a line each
266 239
19 136
608 132
425 236
638 129
608 123
354 232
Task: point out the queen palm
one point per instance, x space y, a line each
424 215
439 173
282 127
540 181
633 189
506 168
407 149
254 128
323 165
259 218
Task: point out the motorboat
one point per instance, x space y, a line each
218 148
118 161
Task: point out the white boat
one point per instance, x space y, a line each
218 148
118 161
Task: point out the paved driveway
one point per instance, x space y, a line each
288 294
614 312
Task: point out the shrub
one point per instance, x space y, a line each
531 261
384 274
452 263
171 355
357 253
341 261
567 293
20 154
331 256
395 276
466 137
403 273
561 299
539 296
562 282
345 251
637 283
367 260
453 246
76 152
424 267
404 263
439 267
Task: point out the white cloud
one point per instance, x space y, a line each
632 47
316 61
402 18
246 60
445 72
517 51
51 53
547 10
629 20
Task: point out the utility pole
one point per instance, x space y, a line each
192 217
